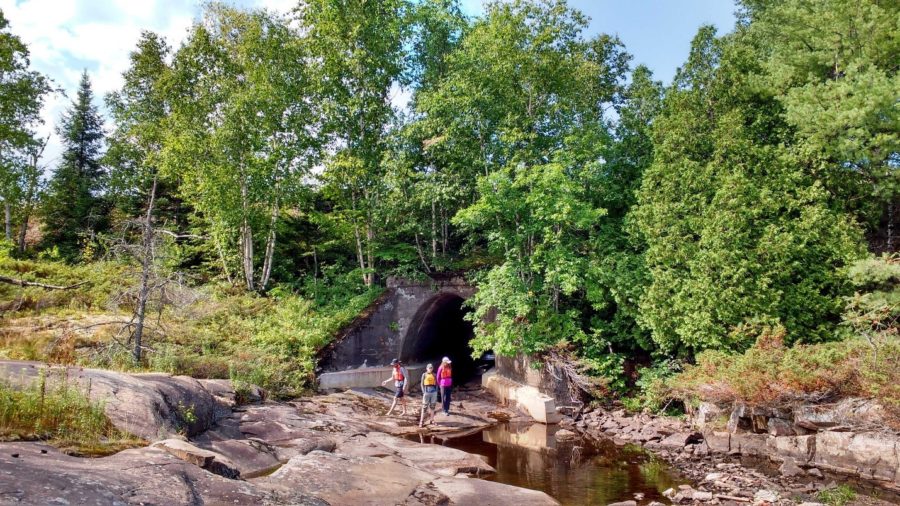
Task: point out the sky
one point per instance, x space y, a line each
66 37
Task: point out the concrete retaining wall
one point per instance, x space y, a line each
539 406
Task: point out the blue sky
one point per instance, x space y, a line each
657 32
67 36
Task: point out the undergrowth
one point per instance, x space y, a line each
61 415
213 331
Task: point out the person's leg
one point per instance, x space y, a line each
393 405
403 404
424 407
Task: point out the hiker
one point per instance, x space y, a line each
445 382
399 376
429 394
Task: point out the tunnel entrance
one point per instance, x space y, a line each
439 329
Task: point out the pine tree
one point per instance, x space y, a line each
74 209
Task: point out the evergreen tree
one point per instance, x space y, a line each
74 210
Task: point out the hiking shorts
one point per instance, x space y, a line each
399 393
429 399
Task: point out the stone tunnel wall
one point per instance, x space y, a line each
378 337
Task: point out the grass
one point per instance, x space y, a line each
212 331
61 415
837 496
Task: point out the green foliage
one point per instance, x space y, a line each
736 232
59 413
74 212
839 495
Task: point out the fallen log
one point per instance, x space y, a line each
22 282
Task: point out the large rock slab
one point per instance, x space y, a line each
488 493
152 406
429 457
41 475
871 456
348 480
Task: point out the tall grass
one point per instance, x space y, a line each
63 416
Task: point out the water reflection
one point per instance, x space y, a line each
578 472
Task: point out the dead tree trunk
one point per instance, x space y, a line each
147 258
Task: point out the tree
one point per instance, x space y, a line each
520 111
738 235
833 68
618 270
22 93
140 111
243 132
74 208
355 51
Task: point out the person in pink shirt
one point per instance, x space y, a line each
445 382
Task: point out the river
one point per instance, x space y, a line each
574 473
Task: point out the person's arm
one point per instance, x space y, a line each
422 381
405 373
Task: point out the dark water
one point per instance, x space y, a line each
576 473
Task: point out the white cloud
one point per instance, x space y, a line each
66 37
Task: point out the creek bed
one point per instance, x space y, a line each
574 473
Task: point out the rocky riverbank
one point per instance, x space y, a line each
205 449
732 461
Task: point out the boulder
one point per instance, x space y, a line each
850 412
789 468
749 444
708 414
718 441
765 497
211 461
623 503
436 459
780 427
871 456
680 440
799 448
565 435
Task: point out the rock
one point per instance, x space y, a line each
565 435
700 495
871 456
205 459
739 421
800 448
708 414
436 459
718 441
779 427
488 493
147 475
680 440
765 497
669 493
811 504
812 471
623 503
711 477
152 406
789 468
852 412
749 444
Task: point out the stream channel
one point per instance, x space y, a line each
574 473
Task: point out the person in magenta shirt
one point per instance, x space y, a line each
445 382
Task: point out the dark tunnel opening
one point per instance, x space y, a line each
439 329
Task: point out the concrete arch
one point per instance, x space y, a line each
439 329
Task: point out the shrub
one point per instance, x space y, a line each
61 415
770 374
